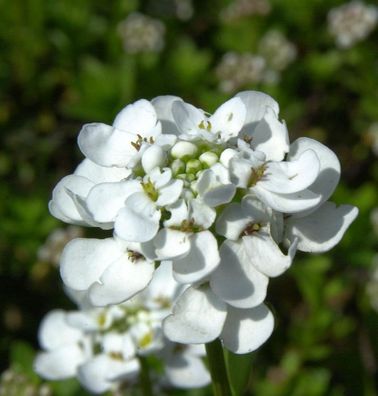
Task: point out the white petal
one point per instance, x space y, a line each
266 256
138 221
96 375
202 214
246 330
59 364
198 317
171 243
240 171
288 203
54 331
85 214
163 108
153 157
186 372
329 172
179 213
170 193
232 221
121 281
200 261
322 229
84 260
162 287
256 104
106 199
291 176
139 118
101 174
187 117
62 206
255 209
159 177
106 145
228 119
212 191
270 136
236 281
86 320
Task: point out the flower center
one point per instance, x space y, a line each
252 228
256 175
150 190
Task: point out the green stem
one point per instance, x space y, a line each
145 380
218 372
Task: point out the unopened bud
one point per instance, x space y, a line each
209 158
184 149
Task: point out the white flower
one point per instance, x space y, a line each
108 270
281 185
322 227
101 373
101 346
188 243
223 200
120 145
65 348
139 219
184 366
262 127
352 22
224 124
199 316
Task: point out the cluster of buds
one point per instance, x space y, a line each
224 197
352 22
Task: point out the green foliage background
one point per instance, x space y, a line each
62 64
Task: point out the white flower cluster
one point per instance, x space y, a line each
224 197
352 22
274 53
102 346
238 70
141 33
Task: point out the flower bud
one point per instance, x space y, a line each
184 149
154 156
193 166
177 167
209 158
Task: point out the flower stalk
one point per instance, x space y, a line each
145 380
217 367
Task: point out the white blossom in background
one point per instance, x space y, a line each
237 70
225 198
238 9
352 22
51 250
274 54
13 383
101 347
141 33
278 53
